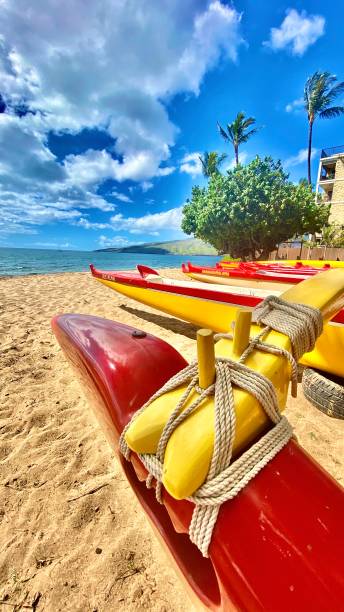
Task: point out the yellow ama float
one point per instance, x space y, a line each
190 446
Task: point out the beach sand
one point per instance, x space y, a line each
97 552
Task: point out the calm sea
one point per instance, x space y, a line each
44 261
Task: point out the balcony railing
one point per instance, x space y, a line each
332 151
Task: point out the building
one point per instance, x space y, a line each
331 181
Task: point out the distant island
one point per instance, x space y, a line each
190 246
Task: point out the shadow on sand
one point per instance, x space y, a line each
169 323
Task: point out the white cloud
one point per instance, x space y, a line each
165 171
86 224
146 186
89 168
114 241
297 32
191 164
151 223
34 187
138 231
295 105
21 211
300 158
169 219
243 156
121 82
120 196
55 245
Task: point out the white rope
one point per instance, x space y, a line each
302 324
225 479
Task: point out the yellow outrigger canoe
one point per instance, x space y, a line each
215 307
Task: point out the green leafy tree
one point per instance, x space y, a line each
320 92
248 212
333 235
211 162
238 132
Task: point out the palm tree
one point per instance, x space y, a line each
237 132
211 162
319 93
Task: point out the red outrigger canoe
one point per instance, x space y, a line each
253 272
278 546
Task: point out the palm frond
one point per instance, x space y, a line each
231 131
319 93
336 91
247 136
237 131
222 158
249 121
211 162
223 132
332 112
240 117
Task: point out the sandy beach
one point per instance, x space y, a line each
96 552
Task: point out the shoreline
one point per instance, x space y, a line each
53 451
64 272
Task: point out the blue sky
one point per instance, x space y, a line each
127 94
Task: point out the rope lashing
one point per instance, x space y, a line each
302 324
225 479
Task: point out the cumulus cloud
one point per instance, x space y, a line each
191 164
299 158
295 105
297 32
114 241
151 222
119 82
86 224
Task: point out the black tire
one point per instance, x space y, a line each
324 391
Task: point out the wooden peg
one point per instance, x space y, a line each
241 336
206 357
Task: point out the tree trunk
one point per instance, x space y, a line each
264 255
236 151
310 134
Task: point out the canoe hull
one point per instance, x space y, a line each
267 552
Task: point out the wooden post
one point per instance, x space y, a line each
242 329
206 357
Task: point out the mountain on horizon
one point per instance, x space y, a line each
188 246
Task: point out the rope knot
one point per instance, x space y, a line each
301 323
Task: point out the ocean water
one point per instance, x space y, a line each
15 262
